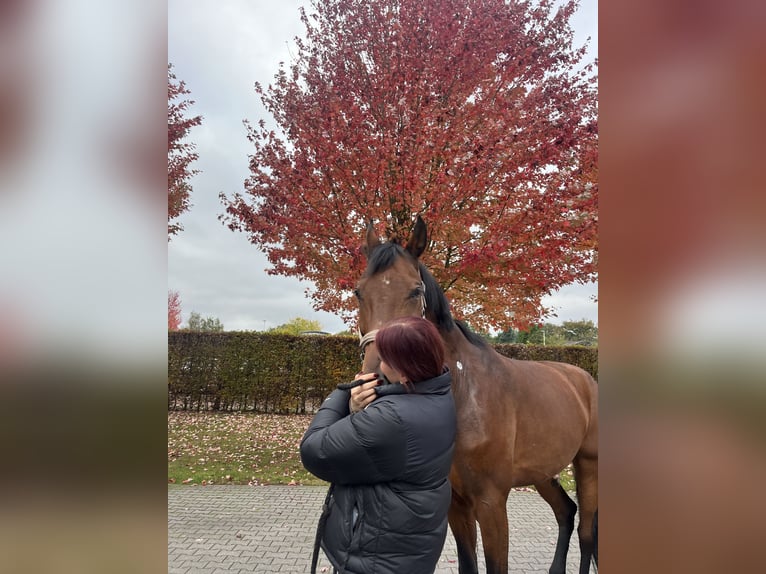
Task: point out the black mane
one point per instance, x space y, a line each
383 256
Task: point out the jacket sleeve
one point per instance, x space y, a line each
361 448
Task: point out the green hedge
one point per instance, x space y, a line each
284 373
584 357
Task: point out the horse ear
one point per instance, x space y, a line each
371 241
418 240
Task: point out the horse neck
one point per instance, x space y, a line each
457 347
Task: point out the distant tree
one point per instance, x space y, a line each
174 310
508 336
296 326
479 115
554 335
582 332
207 325
346 333
180 154
533 335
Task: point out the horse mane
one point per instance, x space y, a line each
383 256
436 302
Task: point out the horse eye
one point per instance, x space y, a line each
416 292
357 294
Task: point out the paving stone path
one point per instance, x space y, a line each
231 529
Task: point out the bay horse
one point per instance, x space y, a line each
519 423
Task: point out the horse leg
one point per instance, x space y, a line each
586 477
493 520
463 524
564 509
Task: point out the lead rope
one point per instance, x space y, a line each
320 528
364 340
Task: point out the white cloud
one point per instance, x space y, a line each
573 303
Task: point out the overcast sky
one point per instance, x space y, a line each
220 49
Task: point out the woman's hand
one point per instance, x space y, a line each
364 394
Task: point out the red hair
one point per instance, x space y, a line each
413 347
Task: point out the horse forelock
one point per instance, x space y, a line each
383 257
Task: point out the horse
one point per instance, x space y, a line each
519 423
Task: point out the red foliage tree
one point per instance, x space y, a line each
180 154
478 115
174 310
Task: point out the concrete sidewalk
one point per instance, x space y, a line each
238 529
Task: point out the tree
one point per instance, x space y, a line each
207 325
533 335
509 336
582 332
174 310
180 154
478 115
296 326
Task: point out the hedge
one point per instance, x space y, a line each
268 373
584 357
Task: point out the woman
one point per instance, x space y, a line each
387 448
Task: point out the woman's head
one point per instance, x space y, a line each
411 347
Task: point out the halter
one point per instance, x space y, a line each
423 303
369 337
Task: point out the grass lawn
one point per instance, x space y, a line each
236 448
245 448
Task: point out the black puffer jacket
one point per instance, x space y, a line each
389 464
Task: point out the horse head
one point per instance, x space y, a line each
391 286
